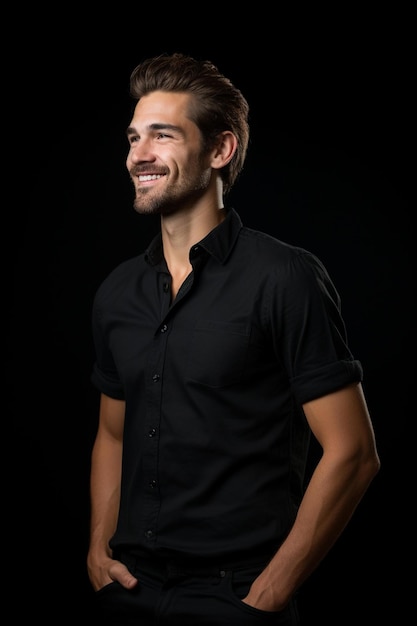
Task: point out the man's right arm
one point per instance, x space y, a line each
105 478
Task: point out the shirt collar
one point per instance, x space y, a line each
218 243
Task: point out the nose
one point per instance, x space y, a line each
140 150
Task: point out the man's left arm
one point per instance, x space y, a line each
341 423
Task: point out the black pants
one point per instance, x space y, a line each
171 595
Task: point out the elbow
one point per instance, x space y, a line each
361 466
375 465
370 467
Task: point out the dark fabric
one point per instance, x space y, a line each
215 436
168 595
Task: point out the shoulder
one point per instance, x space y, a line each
122 278
270 244
280 254
289 270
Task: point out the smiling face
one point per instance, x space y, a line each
166 162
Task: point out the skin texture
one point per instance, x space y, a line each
182 184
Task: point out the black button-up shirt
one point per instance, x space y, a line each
215 439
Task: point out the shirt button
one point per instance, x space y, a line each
155 378
164 328
165 287
152 484
149 534
152 432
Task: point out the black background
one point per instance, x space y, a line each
328 168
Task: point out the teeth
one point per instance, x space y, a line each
149 177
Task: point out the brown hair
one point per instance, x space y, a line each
217 106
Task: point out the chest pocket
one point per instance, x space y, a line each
218 352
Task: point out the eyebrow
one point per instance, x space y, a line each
156 126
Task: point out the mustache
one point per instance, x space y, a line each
146 169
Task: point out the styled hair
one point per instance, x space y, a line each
217 105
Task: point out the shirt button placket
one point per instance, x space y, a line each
152 457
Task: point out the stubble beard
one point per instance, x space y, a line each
147 203
150 202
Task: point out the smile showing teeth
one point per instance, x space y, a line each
143 179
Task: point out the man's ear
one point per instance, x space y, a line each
224 150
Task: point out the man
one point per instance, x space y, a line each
219 351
